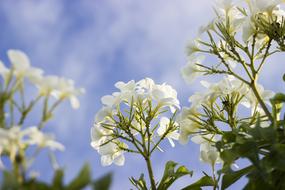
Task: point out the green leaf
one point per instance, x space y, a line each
103 183
82 180
140 183
230 178
203 182
58 179
170 175
36 185
284 77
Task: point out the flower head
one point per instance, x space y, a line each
21 66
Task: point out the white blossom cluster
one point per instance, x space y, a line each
15 107
21 69
14 141
239 20
227 86
132 97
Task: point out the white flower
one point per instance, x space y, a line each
99 135
22 67
198 99
172 134
112 100
208 151
126 87
111 153
104 115
14 140
60 88
165 95
144 90
192 70
42 140
259 6
11 141
146 96
146 84
225 5
66 89
251 101
4 71
210 26
227 86
186 125
193 47
229 15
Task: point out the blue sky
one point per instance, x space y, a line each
100 42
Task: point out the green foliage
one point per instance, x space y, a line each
140 183
264 147
171 175
232 176
103 183
203 182
81 181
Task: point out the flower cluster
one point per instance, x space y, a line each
59 88
14 141
130 116
223 96
23 89
256 22
213 110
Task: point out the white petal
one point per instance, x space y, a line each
18 58
120 160
74 102
108 100
183 139
171 142
106 160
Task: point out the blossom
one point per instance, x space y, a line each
193 47
252 102
4 71
229 15
22 67
99 135
111 153
259 6
208 151
66 89
12 140
42 140
193 69
164 125
186 125
60 88
162 95
165 95
119 117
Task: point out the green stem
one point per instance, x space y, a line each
2 112
214 178
150 173
260 101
